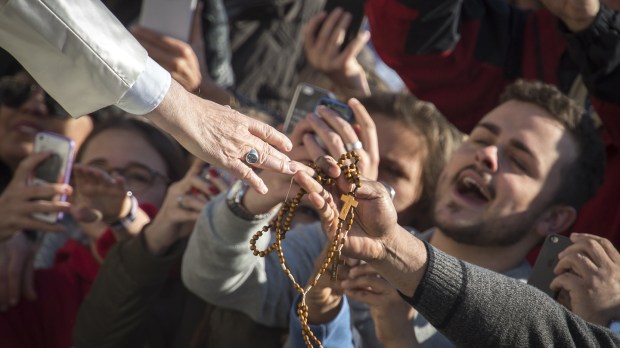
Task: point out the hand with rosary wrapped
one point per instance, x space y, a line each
375 237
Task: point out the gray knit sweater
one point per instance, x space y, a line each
475 307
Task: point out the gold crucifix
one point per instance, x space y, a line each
349 202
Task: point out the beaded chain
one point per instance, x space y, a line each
281 223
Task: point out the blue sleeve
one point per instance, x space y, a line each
336 333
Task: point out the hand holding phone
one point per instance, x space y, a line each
56 168
542 273
356 9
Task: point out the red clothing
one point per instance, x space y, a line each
48 321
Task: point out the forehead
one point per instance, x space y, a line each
534 127
397 140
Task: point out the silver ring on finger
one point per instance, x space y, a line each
180 200
251 157
354 146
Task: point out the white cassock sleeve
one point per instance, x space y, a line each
81 55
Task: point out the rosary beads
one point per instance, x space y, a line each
282 222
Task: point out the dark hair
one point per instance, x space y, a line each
440 138
8 65
586 172
171 152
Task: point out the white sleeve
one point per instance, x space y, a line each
81 55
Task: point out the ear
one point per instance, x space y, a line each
556 219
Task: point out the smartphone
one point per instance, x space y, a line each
342 109
542 273
168 17
54 169
304 101
356 9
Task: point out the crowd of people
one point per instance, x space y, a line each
500 130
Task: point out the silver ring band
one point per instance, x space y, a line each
251 157
180 204
353 146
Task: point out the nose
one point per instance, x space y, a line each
486 158
35 104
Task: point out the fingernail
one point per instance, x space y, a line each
293 167
263 189
214 190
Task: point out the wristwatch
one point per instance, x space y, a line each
234 199
614 326
124 222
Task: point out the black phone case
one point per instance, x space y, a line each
542 273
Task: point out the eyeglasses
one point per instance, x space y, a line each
138 177
15 93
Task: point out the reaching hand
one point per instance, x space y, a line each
223 137
392 316
589 270
323 38
97 191
181 208
336 134
19 201
174 55
576 14
375 216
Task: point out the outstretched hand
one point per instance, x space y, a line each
323 37
375 236
375 215
222 136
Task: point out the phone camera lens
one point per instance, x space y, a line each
554 239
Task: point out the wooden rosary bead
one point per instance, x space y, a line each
281 224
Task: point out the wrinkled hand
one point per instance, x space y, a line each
16 271
335 132
174 55
589 271
576 14
182 205
375 216
323 37
221 136
19 201
392 316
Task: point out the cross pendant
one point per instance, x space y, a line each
349 202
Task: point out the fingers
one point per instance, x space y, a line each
368 134
575 262
587 247
25 167
566 281
610 251
355 46
311 30
270 135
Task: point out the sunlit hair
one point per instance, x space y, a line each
585 174
439 136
